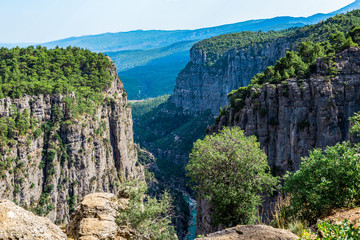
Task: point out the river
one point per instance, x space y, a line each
192 224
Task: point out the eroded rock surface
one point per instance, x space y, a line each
94 218
17 223
296 116
64 158
252 232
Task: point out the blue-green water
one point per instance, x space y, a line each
192 225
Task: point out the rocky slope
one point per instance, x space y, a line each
62 159
17 223
251 232
296 116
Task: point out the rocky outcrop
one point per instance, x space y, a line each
296 116
17 223
200 87
61 159
94 218
251 232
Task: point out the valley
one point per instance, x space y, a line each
240 131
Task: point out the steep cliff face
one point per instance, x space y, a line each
224 63
200 87
60 159
293 117
296 116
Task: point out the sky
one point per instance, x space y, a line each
39 21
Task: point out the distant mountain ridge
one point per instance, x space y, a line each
148 39
148 61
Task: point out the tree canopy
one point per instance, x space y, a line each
39 70
230 170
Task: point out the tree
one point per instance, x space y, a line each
327 179
148 217
231 171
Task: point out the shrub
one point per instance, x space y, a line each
148 216
328 231
326 179
230 170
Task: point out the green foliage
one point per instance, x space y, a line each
295 64
337 26
230 170
13 126
39 70
217 46
355 122
140 108
326 179
344 230
71 202
148 216
168 127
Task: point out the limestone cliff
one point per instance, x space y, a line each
298 115
224 63
200 87
61 159
293 117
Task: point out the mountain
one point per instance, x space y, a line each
155 75
288 120
218 66
154 71
221 64
150 39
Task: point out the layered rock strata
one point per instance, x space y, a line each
61 159
95 218
296 116
200 87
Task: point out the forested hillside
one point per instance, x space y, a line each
39 70
63 118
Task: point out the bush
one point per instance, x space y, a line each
230 170
149 217
326 179
328 231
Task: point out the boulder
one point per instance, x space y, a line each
95 218
251 232
17 223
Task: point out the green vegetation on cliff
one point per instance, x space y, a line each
327 179
216 47
140 108
299 64
35 71
149 217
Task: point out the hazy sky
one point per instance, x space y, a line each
39 21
